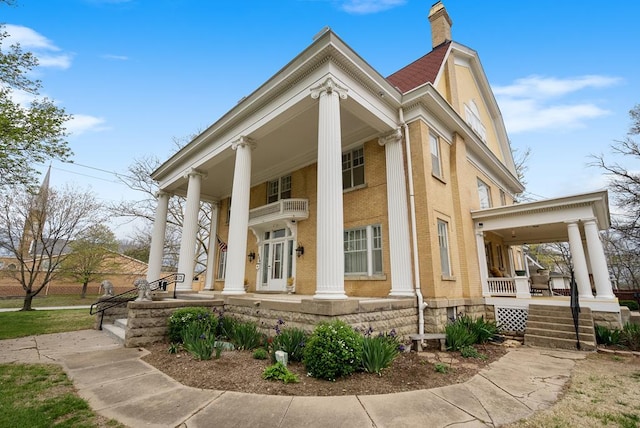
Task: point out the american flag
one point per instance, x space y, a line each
221 244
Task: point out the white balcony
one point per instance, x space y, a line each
284 209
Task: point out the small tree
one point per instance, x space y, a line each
38 230
91 255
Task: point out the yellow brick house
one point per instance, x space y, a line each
337 183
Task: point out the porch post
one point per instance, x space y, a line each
598 261
399 237
186 260
482 263
579 261
156 251
239 222
330 222
212 246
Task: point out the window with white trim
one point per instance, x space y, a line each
472 116
443 243
484 193
503 198
363 251
436 163
353 168
279 189
222 265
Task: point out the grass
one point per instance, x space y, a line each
20 324
41 395
52 300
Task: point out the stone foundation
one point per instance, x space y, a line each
439 312
610 320
108 316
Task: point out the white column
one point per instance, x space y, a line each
398 214
330 222
599 266
482 263
156 251
212 247
186 260
239 222
580 269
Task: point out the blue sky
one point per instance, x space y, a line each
137 74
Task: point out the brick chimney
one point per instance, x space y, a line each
440 24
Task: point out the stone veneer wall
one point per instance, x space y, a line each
382 315
608 319
436 314
147 322
112 313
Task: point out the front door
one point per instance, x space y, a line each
275 260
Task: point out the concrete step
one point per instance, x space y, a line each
115 331
121 322
582 328
548 342
559 334
583 321
556 311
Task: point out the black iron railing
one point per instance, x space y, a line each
119 299
575 308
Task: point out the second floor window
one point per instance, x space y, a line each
436 168
353 168
279 189
484 192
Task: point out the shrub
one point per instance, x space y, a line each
471 352
630 336
631 304
441 368
260 354
181 318
333 350
279 371
606 336
458 336
482 330
199 340
290 340
378 353
246 335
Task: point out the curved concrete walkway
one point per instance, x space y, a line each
119 385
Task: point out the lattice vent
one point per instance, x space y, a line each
512 319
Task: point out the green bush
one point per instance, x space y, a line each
260 354
378 352
631 304
458 336
333 350
441 368
482 330
471 352
181 318
279 371
606 336
630 336
246 335
290 340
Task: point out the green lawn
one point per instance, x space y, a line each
41 395
19 324
54 300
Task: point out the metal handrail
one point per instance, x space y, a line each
575 308
129 295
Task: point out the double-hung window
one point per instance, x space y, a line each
436 164
443 243
484 192
222 264
363 251
353 168
279 189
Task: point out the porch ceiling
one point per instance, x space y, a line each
283 144
543 221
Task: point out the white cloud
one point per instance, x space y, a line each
363 7
116 57
43 48
81 123
538 103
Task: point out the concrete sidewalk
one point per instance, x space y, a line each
119 385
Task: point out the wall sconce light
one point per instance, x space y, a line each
251 256
299 250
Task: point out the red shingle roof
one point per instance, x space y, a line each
420 71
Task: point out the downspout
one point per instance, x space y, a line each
414 233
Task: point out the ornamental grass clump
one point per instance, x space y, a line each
246 335
200 341
290 340
466 331
378 352
334 349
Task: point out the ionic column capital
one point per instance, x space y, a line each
329 87
394 136
162 194
192 172
243 141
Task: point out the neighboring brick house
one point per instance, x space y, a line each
344 183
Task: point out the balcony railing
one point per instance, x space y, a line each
284 209
502 286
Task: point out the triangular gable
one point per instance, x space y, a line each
421 71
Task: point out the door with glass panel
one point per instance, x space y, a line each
276 260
